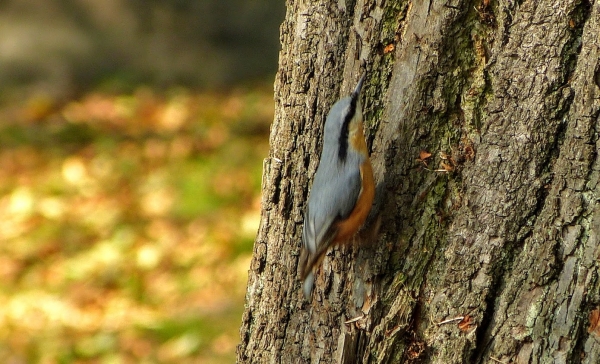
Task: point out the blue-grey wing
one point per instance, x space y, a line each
329 202
332 198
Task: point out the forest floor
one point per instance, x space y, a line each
127 223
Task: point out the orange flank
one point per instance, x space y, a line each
348 227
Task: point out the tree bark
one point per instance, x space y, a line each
488 249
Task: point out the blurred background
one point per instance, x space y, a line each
132 135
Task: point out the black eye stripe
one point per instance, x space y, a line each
343 142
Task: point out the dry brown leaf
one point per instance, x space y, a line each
594 327
424 155
447 167
465 324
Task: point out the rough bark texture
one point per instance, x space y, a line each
491 259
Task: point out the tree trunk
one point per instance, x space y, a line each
488 249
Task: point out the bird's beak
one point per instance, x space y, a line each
356 91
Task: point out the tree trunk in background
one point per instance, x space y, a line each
491 259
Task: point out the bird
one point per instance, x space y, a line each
343 188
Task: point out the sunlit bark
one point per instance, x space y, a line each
482 120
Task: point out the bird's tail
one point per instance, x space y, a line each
307 286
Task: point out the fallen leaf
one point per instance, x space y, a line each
424 155
465 324
594 327
447 167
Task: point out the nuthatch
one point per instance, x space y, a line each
343 188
